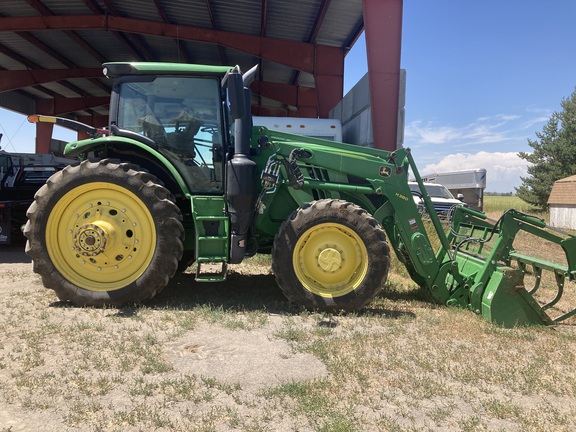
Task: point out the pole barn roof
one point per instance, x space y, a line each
51 51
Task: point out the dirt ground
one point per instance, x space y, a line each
36 341
236 356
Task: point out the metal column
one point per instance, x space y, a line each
383 30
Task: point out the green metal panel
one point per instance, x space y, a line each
113 69
507 303
212 237
77 148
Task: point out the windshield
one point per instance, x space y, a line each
182 115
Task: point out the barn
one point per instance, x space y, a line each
562 203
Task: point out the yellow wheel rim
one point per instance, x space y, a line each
330 260
100 236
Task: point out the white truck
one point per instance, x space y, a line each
328 129
466 185
441 198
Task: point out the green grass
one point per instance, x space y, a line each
499 204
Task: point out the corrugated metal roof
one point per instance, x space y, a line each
333 23
563 192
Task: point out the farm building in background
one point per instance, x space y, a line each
562 203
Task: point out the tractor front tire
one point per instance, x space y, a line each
331 255
104 233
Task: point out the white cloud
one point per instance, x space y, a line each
497 129
482 131
490 142
503 170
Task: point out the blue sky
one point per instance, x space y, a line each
482 78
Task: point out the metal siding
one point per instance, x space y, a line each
61 90
292 20
202 53
8 62
239 16
28 51
67 7
89 87
67 48
107 44
342 19
275 72
16 8
191 13
17 102
139 9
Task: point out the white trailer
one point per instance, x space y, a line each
328 129
467 185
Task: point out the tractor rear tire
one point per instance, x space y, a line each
104 233
331 255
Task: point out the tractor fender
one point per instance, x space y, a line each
114 143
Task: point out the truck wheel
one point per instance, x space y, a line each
104 233
331 255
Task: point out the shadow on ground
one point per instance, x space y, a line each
239 293
242 293
14 254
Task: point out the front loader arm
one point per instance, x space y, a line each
384 192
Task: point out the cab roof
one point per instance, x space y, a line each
114 69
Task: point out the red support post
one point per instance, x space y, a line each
383 30
329 78
43 137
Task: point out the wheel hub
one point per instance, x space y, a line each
91 239
329 259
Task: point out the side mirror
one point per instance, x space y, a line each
236 95
460 197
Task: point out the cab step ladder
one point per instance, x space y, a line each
211 225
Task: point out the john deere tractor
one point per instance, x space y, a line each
181 175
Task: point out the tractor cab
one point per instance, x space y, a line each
181 117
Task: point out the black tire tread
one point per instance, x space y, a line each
160 202
324 211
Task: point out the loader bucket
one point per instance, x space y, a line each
499 276
506 301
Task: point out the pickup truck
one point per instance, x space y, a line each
441 198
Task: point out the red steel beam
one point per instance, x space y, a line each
296 96
43 137
298 55
97 120
383 29
59 106
329 78
16 79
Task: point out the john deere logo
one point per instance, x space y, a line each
385 171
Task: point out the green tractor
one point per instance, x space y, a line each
182 175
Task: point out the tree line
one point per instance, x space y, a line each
554 155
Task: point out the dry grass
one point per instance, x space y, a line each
402 364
